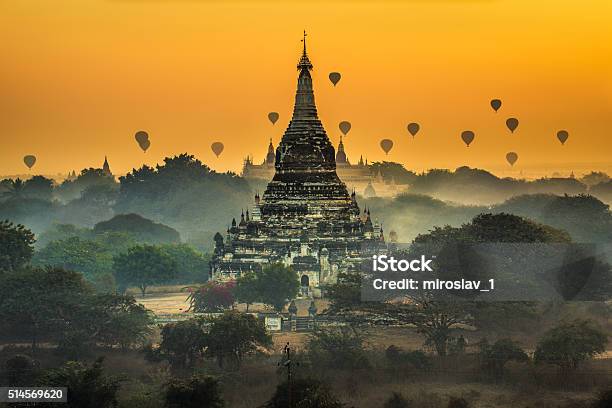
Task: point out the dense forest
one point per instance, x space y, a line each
78 258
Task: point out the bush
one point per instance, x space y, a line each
604 400
397 400
571 343
305 393
21 370
195 392
88 386
182 342
457 402
212 297
337 348
494 357
416 358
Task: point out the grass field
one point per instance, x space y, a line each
526 386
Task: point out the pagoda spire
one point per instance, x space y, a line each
304 63
305 156
106 168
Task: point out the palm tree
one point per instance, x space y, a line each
15 189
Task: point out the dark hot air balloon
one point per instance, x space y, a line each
467 136
334 77
145 145
562 135
386 145
29 160
345 127
142 138
413 128
217 148
511 157
496 104
512 124
273 117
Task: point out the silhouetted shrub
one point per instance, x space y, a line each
21 370
416 358
457 402
337 348
195 392
397 400
306 393
604 400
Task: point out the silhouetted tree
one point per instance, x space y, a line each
340 348
142 266
37 302
38 187
184 193
21 370
305 392
570 343
182 342
493 358
16 246
86 256
142 229
88 386
72 189
194 392
191 265
234 335
397 400
277 285
14 189
457 402
246 290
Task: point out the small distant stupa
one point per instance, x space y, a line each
106 167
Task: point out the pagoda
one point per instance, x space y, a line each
306 218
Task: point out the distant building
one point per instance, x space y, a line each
358 177
106 168
306 218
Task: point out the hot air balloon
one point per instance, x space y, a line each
496 104
511 157
142 138
217 148
468 137
386 145
334 77
273 117
413 128
29 160
562 135
512 124
345 127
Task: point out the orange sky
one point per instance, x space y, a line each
79 77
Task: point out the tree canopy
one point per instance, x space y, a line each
142 266
276 285
16 246
142 229
212 297
571 343
234 335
